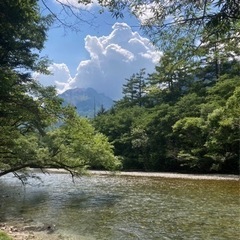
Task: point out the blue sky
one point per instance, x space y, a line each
101 54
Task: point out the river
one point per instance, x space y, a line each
125 207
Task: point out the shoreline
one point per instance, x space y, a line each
170 175
20 231
227 177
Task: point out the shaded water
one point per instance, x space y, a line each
111 207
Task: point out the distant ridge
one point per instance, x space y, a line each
86 100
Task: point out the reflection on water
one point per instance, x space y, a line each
108 207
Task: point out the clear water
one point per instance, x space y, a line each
111 207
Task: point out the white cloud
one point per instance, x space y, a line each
75 4
60 76
112 59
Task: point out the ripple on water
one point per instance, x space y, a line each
111 207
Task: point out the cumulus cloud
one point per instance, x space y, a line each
60 76
112 59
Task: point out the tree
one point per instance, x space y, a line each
190 135
223 138
35 129
25 107
118 126
134 90
101 111
187 123
140 144
23 32
74 146
174 73
209 141
163 16
157 17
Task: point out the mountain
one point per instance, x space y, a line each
88 102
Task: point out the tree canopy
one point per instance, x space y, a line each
182 117
158 17
35 129
194 128
185 122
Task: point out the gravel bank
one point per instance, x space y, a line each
170 175
156 174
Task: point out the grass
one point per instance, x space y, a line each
4 236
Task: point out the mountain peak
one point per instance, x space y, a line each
86 100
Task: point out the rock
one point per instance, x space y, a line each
50 228
36 228
28 221
2 225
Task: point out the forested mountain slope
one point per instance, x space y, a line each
87 102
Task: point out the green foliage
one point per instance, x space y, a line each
173 74
183 117
134 90
118 125
4 236
22 30
190 117
76 145
223 140
196 132
35 129
179 17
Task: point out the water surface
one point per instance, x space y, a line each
115 207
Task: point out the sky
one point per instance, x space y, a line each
100 53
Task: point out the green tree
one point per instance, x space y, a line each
29 112
23 32
190 135
174 73
76 145
209 141
184 122
118 125
134 90
140 144
223 142
25 106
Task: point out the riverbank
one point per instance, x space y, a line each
170 175
15 232
18 231
158 175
